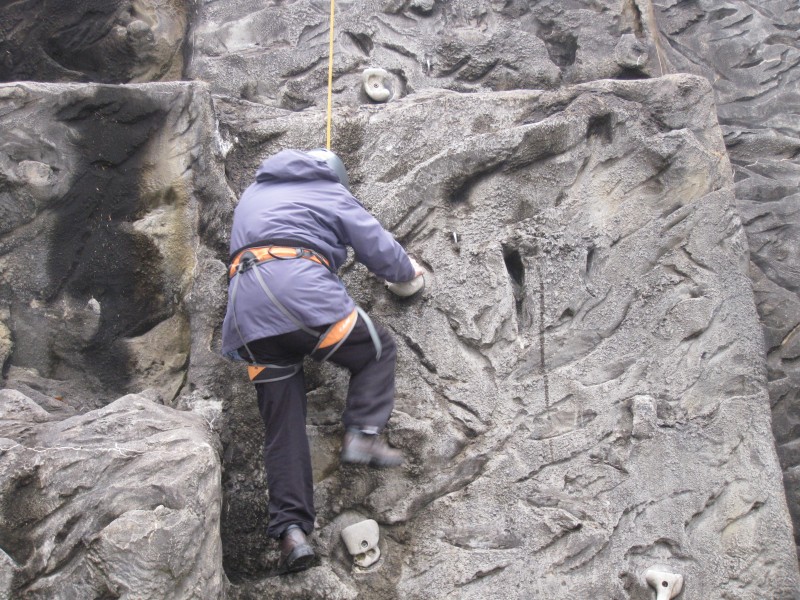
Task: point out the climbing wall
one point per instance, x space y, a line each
573 380
751 51
582 386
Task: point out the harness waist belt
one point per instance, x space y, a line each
241 262
332 338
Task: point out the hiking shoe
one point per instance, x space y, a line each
360 448
296 553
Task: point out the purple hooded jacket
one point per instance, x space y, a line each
298 198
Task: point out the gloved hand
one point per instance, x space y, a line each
409 288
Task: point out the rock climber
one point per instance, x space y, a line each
291 230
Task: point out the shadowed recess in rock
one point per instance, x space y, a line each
108 41
95 252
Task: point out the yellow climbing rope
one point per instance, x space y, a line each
330 78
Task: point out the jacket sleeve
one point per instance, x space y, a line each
375 247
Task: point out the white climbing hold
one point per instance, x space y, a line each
94 305
423 6
34 173
667 585
376 84
361 540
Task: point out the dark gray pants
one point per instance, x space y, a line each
370 399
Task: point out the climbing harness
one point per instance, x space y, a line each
335 335
250 257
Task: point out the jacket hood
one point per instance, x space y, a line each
294 165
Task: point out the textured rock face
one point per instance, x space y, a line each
107 41
581 392
584 348
107 195
751 52
100 237
123 501
278 54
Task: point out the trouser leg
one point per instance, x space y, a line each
287 458
370 397
282 404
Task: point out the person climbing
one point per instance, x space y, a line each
290 234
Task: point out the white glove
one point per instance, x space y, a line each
409 288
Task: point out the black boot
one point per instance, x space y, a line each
296 553
368 449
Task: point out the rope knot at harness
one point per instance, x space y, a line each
246 262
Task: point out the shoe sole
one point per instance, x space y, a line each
364 458
300 559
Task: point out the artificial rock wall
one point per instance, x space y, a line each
582 387
750 52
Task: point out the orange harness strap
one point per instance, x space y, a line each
338 331
254 371
335 336
269 373
264 254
